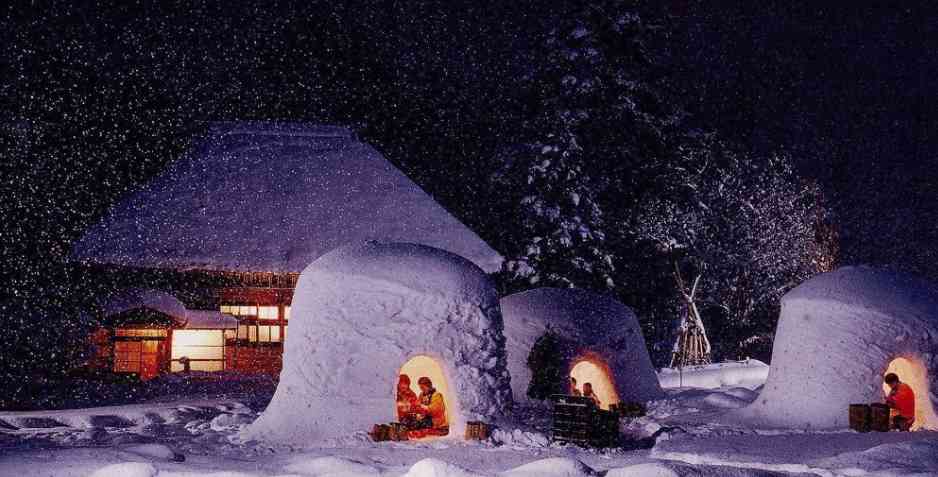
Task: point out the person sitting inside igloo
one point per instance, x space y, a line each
430 412
407 402
901 400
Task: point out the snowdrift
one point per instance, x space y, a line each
601 329
359 314
750 374
273 197
837 335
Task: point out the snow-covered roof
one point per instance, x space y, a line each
145 298
267 196
209 320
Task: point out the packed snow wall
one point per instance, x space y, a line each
837 335
599 328
359 313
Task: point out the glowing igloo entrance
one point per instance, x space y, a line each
912 372
595 372
422 366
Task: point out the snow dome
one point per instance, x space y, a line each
365 313
838 334
608 348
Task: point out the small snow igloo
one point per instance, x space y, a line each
607 348
838 334
365 313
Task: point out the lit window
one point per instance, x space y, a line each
267 313
284 333
252 334
275 334
242 332
247 310
264 334
226 309
230 334
286 313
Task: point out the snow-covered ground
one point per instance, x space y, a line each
683 434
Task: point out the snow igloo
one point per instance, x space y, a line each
365 313
608 349
838 334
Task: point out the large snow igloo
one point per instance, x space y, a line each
608 349
365 313
838 334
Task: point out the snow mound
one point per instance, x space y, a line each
155 451
598 326
750 374
725 401
157 300
331 467
837 335
126 469
227 422
553 467
360 313
272 196
437 468
652 469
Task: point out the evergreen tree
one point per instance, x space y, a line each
546 362
593 118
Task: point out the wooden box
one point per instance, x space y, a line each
397 432
860 417
477 430
879 417
380 433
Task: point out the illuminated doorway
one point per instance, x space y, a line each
912 372
425 366
594 371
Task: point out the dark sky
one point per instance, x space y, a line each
848 91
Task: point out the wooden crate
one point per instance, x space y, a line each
860 417
573 419
879 417
478 430
605 429
380 433
578 421
397 432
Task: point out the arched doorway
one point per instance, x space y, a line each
595 371
424 366
912 372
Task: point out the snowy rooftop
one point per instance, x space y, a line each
209 320
263 196
144 297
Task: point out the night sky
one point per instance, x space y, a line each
115 92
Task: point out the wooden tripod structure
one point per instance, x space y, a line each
692 346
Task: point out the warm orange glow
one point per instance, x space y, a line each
912 372
204 348
595 372
420 366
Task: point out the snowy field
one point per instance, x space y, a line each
683 434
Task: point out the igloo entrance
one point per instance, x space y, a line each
913 372
595 372
415 369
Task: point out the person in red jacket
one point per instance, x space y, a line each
407 401
901 399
